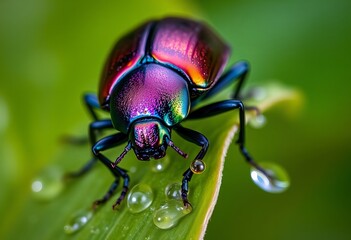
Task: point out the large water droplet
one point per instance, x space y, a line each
48 184
140 198
276 183
173 191
168 215
79 220
159 165
258 121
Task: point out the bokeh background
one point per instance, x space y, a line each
52 51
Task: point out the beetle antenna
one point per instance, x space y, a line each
177 149
125 151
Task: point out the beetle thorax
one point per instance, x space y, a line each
150 91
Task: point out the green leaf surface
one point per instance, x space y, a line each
46 219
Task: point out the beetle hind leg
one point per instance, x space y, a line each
225 106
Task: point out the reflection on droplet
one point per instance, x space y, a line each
79 220
258 121
197 166
159 165
48 184
140 198
173 191
168 215
278 181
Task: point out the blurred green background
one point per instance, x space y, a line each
52 51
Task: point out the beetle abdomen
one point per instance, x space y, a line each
144 93
124 56
192 47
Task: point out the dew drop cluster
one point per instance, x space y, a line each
172 210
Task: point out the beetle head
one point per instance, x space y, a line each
149 139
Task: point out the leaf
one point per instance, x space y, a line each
46 220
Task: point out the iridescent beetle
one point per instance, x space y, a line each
153 79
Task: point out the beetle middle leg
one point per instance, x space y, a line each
102 145
92 104
94 128
225 106
201 140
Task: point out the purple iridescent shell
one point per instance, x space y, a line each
185 45
193 48
124 56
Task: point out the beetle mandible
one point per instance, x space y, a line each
152 81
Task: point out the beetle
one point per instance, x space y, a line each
153 80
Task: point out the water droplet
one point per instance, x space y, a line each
168 215
79 220
197 166
159 165
94 230
258 121
173 191
48 184
258 93
140 198
278 182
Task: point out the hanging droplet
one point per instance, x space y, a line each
278 182
48 184
258 121
197 166
168 215
79 220
140 198
173 191
159 165
258 93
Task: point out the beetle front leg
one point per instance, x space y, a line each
102 145
197 166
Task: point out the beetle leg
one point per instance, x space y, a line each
225 106
238 72
102 145
94 127
92 103
200 140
